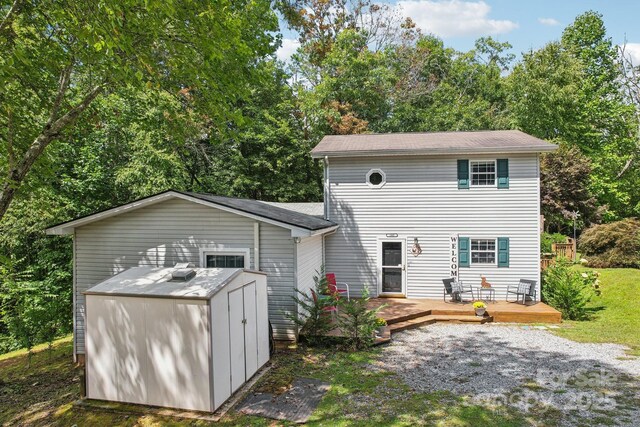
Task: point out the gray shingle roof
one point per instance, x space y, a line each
266 210
286 216
309 208
431 143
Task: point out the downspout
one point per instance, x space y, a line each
75 306
256 246
538 230
296 241
327 188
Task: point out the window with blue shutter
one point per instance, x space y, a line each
463 252
503 252
463 173
503 173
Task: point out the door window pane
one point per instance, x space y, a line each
391 253
392 280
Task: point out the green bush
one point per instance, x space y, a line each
569 291
616 244
357 322
547 239
311 318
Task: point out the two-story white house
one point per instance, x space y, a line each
416 208
401 213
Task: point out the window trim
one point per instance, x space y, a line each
225 251
495 173
371 172
495 251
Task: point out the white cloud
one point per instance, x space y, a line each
288 48
454 18
632 51
549 22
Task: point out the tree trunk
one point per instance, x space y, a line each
50 132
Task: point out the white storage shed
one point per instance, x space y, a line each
180 338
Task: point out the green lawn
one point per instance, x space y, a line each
619 320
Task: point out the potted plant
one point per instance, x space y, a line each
380 325
480 308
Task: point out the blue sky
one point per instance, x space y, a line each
525 24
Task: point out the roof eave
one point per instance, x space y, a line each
435 152
69 227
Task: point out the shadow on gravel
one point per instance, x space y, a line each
538 373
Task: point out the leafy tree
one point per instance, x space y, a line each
565 188
58 57
543 94
320 22
354 90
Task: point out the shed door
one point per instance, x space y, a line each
236 338
250 330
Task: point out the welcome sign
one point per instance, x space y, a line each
453 256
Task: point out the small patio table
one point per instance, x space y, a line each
490 291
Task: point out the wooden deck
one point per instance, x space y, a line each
404 313
398 310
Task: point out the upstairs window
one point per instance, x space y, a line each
483 174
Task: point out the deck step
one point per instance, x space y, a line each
431 319
412 323
462 318
405 317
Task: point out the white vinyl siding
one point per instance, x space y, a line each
175 231
309 256
421 200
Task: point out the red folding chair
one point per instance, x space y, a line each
336 288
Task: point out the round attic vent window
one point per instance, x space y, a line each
376 178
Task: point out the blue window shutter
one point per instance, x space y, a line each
463 252
503 252
503 173
463 173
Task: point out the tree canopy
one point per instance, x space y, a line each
107 101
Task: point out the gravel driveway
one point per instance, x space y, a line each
556 380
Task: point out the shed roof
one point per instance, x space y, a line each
430 143
300 224
155 282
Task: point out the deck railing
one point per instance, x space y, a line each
546 263
563 250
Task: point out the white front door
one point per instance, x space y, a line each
391 267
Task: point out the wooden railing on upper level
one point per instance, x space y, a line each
563 250
546 262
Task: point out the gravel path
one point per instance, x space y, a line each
563 381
